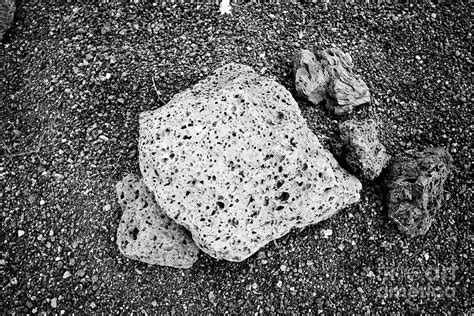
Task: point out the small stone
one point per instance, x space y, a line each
107 207
426 256
361 148
143 223
92 305
283 268
154 303
211 296
42 202
326 233
54 303
415 186
370 274
67 274
328 76
279 284
80 273
21 233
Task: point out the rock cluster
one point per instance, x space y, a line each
328 76
233 161
415 188
146 233
7 12
361 148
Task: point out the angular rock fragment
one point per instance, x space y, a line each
415 188
362 150
234 162
146 233
328 76
7 12
311 80
346 89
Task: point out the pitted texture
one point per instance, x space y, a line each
146 233
7 11
328 76
415 186
234 162
362 150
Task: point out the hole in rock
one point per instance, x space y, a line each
220 204
134 233
284 196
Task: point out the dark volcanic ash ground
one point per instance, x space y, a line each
73 80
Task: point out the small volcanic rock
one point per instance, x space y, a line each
362 150
415 188
146 233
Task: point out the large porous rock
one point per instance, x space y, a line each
234 162
146 233
7 12
361 148
415 188
328 75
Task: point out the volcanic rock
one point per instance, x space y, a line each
362 150
7 12
146 233
233 160
328 76
415 188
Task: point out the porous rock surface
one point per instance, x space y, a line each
146 233
415 186
7 12
328 75
234 162
362 150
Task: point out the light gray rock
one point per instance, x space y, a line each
233 161
146 233
346 89
415 185
328 75
311 80
7 12
361 148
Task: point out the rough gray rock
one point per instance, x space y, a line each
146 233
7 12
415 188
311 79
361 148
328 76
233 161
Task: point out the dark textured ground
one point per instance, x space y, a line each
73 80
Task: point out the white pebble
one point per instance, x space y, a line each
326 233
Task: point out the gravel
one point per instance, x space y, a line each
74 79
